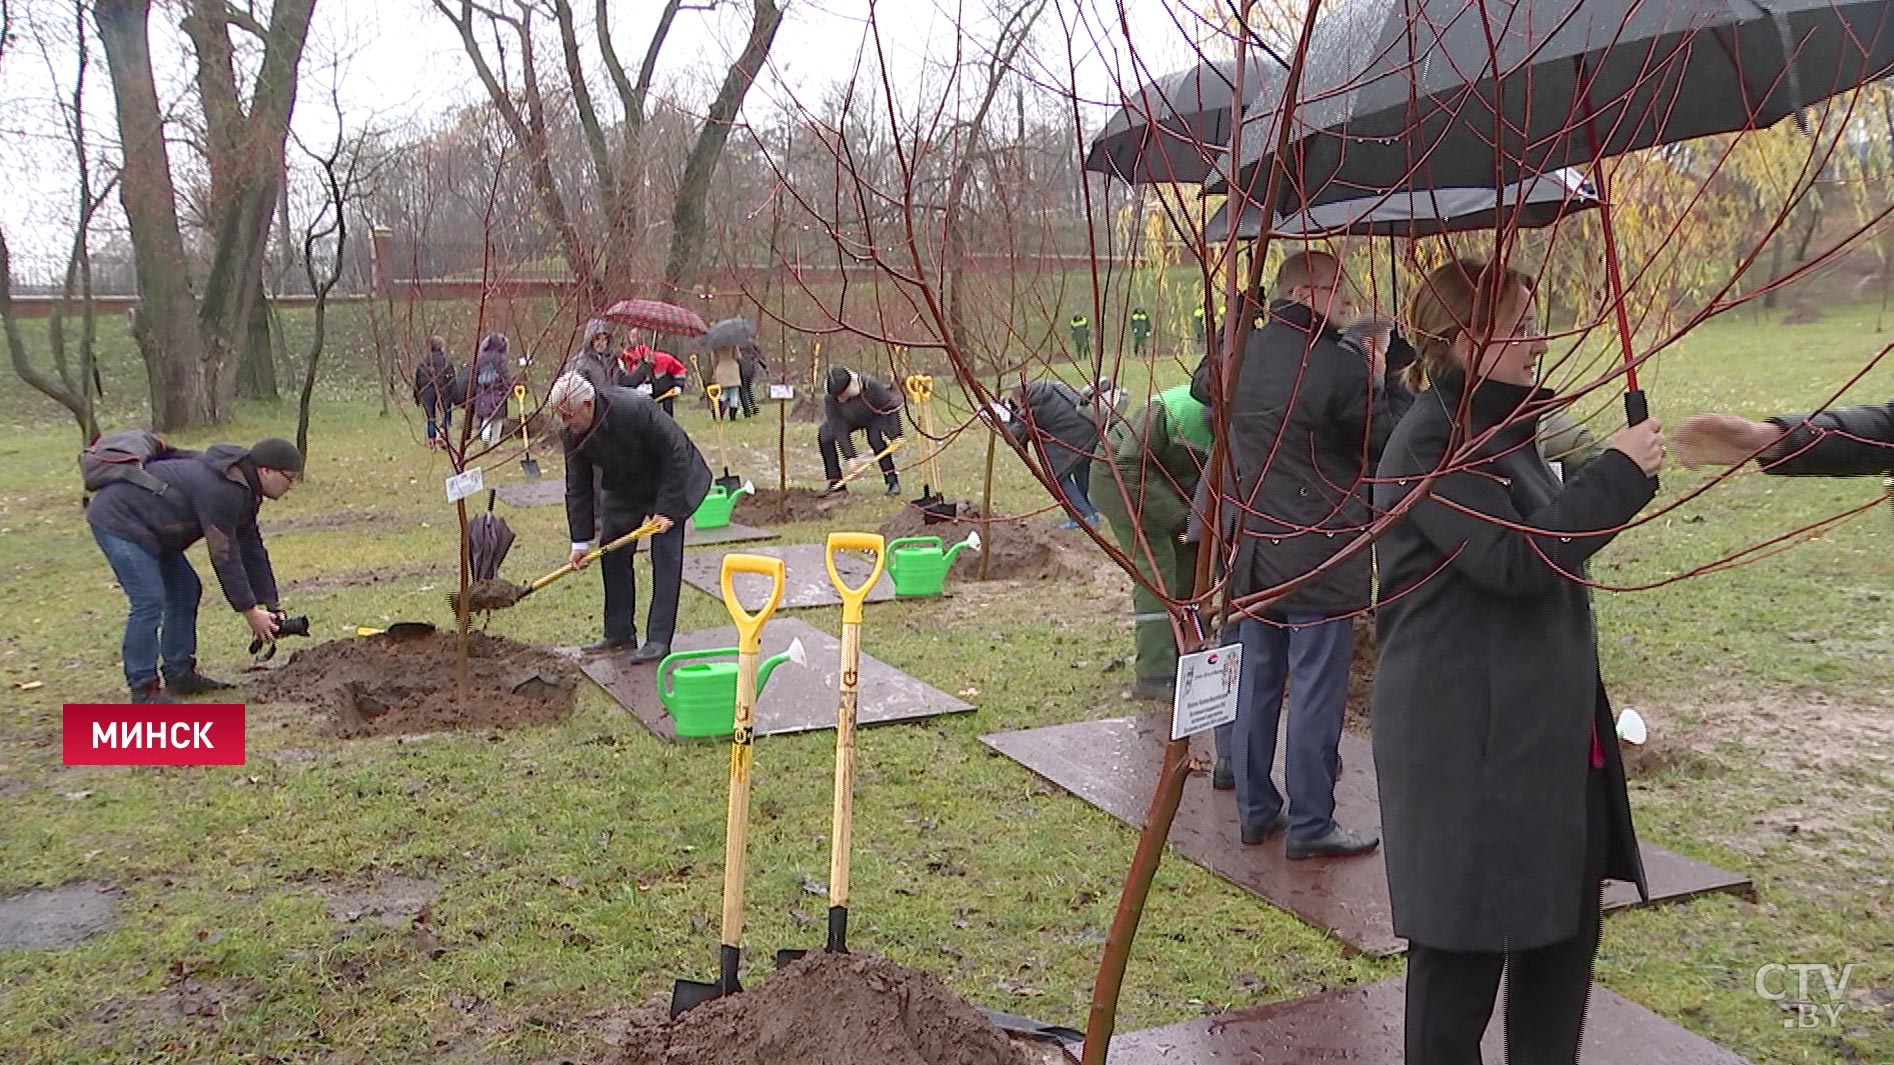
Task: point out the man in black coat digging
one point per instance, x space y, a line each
857 403
144 533
1307 422
649 471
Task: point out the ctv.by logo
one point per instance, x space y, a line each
1775 980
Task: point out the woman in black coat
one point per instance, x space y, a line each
1503 797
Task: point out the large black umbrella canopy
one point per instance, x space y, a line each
1529 204
728 333
1174 129
1452 93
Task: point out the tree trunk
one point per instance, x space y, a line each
173 348
687 211
246 163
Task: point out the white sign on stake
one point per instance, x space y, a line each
1207 686
462 485
782 391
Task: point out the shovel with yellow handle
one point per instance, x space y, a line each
497 594
841 821
934 505
689 993
730 481
528 464
869 463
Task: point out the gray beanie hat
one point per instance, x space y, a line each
277 454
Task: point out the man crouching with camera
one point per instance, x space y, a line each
144 527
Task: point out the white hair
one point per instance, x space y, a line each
570 392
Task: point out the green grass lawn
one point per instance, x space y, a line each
574 870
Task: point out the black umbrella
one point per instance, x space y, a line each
728 333
1529 204
1453 93
488 541
1448 93
1175 128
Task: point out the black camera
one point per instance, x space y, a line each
264 650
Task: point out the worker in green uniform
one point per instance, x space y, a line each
1081 336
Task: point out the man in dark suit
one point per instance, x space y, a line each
649 471
1307 420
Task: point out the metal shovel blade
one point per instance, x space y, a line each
838 938
730 482
530 466
690 994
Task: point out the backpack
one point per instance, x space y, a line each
121 456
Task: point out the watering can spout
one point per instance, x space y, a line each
793 654
972 540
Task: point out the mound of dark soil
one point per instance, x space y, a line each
385 684
1018 550
828 1009
767 506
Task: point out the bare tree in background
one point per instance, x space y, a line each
602 258
194 349
73 387
345 169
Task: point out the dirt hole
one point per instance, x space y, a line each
383 685
1018 550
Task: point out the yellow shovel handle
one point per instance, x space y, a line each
750 626
672 394
713 390
593 555
853 598
872 459
920 387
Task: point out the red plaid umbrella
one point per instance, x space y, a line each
655 314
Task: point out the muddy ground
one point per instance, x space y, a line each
384 685
1023 549
768 506
827 1009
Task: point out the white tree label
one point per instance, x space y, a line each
462 485
1208 683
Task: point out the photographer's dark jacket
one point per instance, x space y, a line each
646 463
203 503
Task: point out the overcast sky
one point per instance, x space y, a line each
399 64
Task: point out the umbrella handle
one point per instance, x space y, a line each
750 626
854 597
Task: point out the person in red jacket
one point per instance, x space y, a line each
653 372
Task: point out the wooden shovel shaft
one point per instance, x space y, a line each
870 461
591 556
841 822
736 828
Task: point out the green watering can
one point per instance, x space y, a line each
702 697
920 568
714 511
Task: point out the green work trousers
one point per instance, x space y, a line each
1176 564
